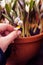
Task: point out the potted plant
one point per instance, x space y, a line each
24 15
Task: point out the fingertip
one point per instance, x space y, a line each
19 32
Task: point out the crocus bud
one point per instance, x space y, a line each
16 20
27 8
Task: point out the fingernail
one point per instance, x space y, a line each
19 32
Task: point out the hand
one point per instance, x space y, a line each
6 40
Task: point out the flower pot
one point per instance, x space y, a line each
24 49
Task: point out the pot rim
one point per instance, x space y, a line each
29 39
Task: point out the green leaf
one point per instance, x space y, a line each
8 8
14 13
15 1
27 3
32 4
7 17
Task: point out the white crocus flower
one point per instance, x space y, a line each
27 8
20 24
12 4
42 6
2 3
11 12
21 2
36 1
27 0
7 1
18 21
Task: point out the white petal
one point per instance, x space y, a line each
27 8
36 1
7 1
2 3
16 20
42 6
27 0
20 22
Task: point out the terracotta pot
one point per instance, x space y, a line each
24 49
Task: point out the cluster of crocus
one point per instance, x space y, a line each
25 15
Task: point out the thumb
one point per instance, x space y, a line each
10 37
5 41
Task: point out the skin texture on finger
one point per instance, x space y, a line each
6 33
4 27
5 41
